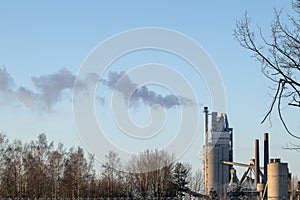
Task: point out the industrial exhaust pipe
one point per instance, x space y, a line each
266 157
256 162
206 124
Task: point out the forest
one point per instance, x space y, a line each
41 169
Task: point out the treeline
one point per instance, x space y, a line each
39 169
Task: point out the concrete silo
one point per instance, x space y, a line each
217 148
277 180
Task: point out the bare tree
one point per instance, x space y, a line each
3 148
56 162
39 170
196 181
293 186
67 183
112 176
160 178
280 59
89 177
75 167
12 172
151 173
36 167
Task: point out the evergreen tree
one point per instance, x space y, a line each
180 178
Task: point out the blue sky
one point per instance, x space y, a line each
40 38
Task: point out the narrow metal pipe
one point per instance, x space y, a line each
256 161
206 124
266 157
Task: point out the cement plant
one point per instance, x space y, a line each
270 180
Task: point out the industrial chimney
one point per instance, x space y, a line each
256 162
205 111
266 157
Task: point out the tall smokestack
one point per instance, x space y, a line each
256 162
266 157
206 124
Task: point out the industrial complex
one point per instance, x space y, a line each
269 181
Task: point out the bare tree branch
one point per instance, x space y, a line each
280 59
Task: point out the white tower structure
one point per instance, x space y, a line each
217 148
277 180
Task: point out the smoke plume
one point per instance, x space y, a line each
53 88
6 86
49 89
142 94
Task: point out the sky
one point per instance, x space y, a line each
45 45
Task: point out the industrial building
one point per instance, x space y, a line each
270 181
217 148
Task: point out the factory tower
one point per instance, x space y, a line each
218 146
